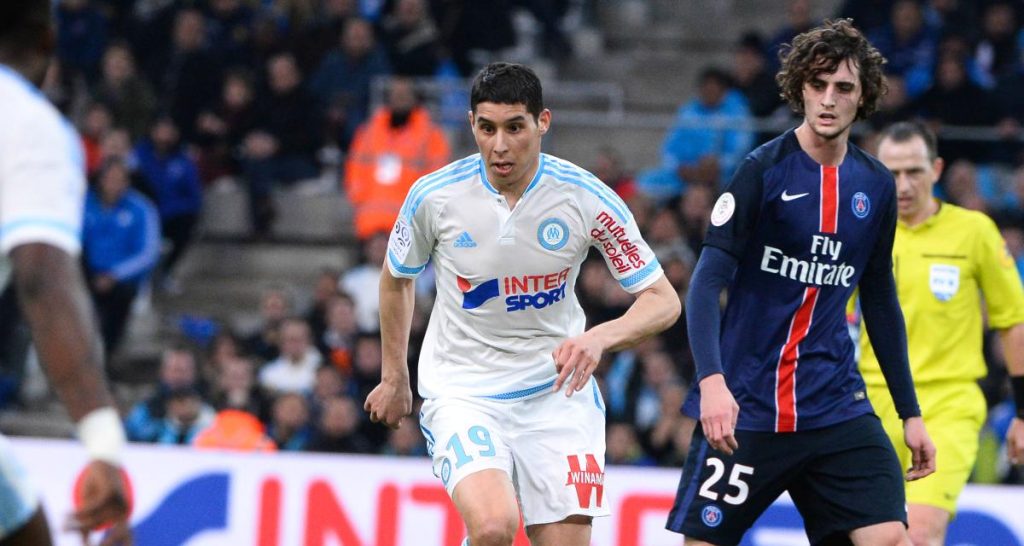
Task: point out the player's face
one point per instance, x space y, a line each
915 176
831 100
509 140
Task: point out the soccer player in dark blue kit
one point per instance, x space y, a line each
806 219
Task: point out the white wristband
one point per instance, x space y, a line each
102 434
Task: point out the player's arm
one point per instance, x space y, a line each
656 308
54 300
390 401
1012 340
883 320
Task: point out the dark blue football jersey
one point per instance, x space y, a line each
804 236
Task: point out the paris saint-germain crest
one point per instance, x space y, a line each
860 204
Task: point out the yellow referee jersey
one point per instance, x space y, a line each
943 266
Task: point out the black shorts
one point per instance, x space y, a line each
841 478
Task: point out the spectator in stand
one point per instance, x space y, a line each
130 97
997 51
116 145
177 371
171 177
392 150
282 148
325 288
187 73
412 39
289 425
955 100
868 15
186 415
952 16
229 26
330 383
341 82
752 78
236 430
659 439
236 389
222 126
362 282
313 45
337 341
337 429
472 30
405 441
709 139
623 446
81 38
96 123
695 214
798 20
961 186
366 365
275 305
295 370
906 41
608 168
121 246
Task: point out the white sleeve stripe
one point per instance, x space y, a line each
47 223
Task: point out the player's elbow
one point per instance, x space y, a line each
668 304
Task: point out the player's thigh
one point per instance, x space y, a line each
486 498
465 436
34 532
558 449
953 414
854 480
720 496
890 533
17 495
572 531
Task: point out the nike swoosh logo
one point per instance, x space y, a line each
788 197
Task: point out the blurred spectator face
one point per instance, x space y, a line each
951 72
237 375
274 306
189 30
225 347
290 411
664 228
659 368
696 206
326 287
915 175
339 9
368 356
184 408
329 383
164 134
672 396
405 440
114 181
118 64
410 13
340 417
117 143
798 12
907 19
237 92
294 339
962 184
97 121
376 248
177 368
678 272
401 96
283 73
711 91
748 62
225 7
357 38
341 314
999 21
896 98
621 442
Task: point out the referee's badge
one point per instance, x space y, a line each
944 281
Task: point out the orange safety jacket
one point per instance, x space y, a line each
383 163
237 430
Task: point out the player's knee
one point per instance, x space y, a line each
494 532
925 535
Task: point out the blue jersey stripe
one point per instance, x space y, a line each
520 393
576 181
568 168
640 275
597 395
404 269
411 207
429 183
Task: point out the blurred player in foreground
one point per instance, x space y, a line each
42 188
946 258
507 230
806 218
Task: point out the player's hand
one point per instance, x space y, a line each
575 361
104 501
718 413
922 449
389 402
1015 441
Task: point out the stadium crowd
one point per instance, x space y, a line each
170 96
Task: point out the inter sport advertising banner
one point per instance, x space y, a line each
210 498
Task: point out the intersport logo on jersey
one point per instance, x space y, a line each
521 291
813 271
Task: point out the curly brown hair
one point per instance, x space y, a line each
820 50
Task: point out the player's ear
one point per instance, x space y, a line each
469 115
544 121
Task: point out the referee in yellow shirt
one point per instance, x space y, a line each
951 265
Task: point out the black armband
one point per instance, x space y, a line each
1018 394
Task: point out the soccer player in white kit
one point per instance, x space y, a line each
505 348
42 188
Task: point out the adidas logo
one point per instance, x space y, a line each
465 241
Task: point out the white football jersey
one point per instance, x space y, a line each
506 278
42 171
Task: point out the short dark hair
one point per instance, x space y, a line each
820 50
906 130
508 83
23 22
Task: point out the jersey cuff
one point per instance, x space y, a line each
399 270
64 239
643 278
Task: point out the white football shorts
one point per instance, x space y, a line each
551 446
